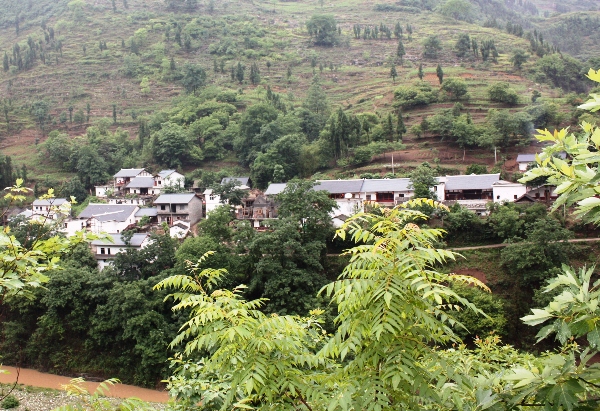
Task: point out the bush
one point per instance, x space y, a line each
502 93
10 402
420 94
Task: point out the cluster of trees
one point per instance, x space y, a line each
24 55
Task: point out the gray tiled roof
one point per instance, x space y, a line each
108 212
180 198
150 212
243 180
275 188
129 172
382 185
339 186
472 182
50 202
141 182
136 240
525 158
165 173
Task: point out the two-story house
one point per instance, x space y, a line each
125 175
178 207
169 178
108 218
105 250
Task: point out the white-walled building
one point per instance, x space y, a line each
142 186
105 250
506 191
50 208
169 178
108 218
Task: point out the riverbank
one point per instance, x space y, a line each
27 377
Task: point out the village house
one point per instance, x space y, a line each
172 208
256 207
506 191
108 218
142 185
213 200
125 175
105 250
169 178
50 208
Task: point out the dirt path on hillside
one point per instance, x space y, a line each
44 380
575 240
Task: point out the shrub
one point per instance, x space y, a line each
10 402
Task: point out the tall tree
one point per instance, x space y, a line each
193 77
323 30
393 73
420 73
440 73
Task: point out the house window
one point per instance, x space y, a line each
162 207
182 207
385 196
515 196
211 197
108 251
102 251
368 197
497 197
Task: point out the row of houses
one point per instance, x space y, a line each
129 205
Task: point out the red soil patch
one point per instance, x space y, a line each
43 380
473 273
467 75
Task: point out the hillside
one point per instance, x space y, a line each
132 78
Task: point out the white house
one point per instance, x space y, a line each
346 194
524 160
50 208
124 176
212 200
142 186
506 191
387 191
169 178
108 218
105 250
104 190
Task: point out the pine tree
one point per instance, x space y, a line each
400 52
88 108
84 49
5 63
400 127
289 73
420 73
440 73
232 73
393 74
215 66
114 6
71 114
398 30
254 74
269 67
172 65
239 72
114 107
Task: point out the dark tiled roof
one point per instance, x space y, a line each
129 172
108 212
50 202
179 198
141 182
339 186
150 212
472 182
382 185
136 240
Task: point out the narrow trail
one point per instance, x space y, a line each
575 240
44 380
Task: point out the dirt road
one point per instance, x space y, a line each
44 380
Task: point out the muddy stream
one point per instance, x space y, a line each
44 380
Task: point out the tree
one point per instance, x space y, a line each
388 311
239 72
254 74
576 179
431 46
171 145
457 9
393 73
5 62
456 88
193 77
400 52
463 45
518 58
502 93
322 29
91 168
400 127
422 180
420 73
440 73
114 113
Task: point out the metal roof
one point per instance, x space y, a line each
136 240
108 212
339 186
150 212
275 188
179 198
243 180
472 182
166 173
382 185
129 172
50 202
525 158
141 182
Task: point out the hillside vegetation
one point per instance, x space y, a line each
72 64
